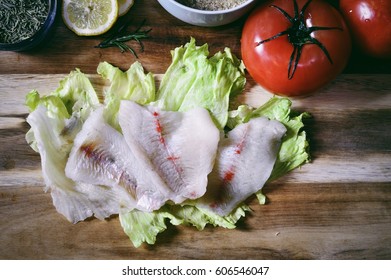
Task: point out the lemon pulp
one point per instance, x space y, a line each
90 17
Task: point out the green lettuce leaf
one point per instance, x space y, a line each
77 94
132 85
55 109
55 120
194 80
70 104
144 227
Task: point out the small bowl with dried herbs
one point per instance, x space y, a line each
25 24
208 12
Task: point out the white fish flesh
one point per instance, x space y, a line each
180 146
53 138
101 157
244 163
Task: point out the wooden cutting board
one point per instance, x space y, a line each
338 206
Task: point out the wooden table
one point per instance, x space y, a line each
336 207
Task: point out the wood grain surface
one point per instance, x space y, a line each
336 207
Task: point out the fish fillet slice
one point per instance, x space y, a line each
181 146
244 163
101 157
54 151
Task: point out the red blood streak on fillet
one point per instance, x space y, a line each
90 152
158 127
172 158
228 176
221 194
239 147
88 149
124 179
159 130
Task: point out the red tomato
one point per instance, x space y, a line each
318 56
370 24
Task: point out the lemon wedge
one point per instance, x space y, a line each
89 17
124 6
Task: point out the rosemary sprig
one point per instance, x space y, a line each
119 39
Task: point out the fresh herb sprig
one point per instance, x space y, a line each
119 38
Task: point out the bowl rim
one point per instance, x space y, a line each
208 12
50 18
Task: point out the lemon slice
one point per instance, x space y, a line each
89 17
124 6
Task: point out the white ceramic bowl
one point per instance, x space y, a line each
206 18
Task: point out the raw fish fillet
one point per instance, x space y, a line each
244 163
53 142
180 146
102 163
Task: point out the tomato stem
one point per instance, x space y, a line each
299 34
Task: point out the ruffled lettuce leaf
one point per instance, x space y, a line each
143 227
55 120
54 109
195 80
71 103
67 107
132 85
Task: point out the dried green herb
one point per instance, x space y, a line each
20 19
120 37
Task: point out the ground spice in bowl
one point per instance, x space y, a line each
211 5
208 13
